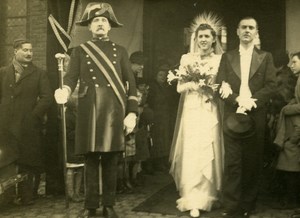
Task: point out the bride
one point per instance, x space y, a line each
197 149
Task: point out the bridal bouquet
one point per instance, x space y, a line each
200 72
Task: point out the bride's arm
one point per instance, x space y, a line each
187 86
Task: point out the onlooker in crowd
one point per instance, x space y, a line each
142 134
251 75
288 139
158 100
137 64
106 110
25 96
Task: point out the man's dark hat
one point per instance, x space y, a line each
164 67
137 58
238 125
96 9
20 41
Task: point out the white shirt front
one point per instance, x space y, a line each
245 57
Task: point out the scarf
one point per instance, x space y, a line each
19 69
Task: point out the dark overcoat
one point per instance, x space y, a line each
99 124
23 106
159 98
289 121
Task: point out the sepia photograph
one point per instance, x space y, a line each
149 108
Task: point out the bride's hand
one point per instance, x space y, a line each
189 86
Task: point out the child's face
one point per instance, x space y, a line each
161 77
142 87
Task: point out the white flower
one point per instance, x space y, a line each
171 77
202 82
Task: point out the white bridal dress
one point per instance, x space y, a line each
196 155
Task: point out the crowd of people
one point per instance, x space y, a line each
208 129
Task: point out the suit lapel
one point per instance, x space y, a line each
256 61
234 59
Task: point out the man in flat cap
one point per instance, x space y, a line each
107 105
25 96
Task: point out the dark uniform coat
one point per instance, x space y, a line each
23 105
100 114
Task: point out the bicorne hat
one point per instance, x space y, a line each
95 9
238 125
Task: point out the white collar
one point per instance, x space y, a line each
244 51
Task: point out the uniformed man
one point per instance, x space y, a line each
107 104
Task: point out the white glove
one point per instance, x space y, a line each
225 90
241 110
129 123
61 95
246 103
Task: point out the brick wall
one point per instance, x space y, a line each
37 22
24 19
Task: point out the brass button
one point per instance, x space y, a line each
88 62
108 85
91 70
113 44
87 56
115 55
114 62
93 77
96 85
114 49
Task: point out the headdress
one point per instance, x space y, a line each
211 19
96 9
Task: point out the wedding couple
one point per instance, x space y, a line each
247 77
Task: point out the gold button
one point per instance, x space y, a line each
94 77
114 49
113 44
96 85
115 55
87 56
108 85
114 62
91 70
88 62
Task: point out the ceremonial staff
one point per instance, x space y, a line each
60 61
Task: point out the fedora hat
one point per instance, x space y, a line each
238 125
95 9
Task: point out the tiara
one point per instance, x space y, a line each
210 19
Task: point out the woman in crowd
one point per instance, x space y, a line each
196 156
159 101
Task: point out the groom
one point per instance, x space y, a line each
251 75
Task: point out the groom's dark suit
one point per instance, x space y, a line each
244 157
